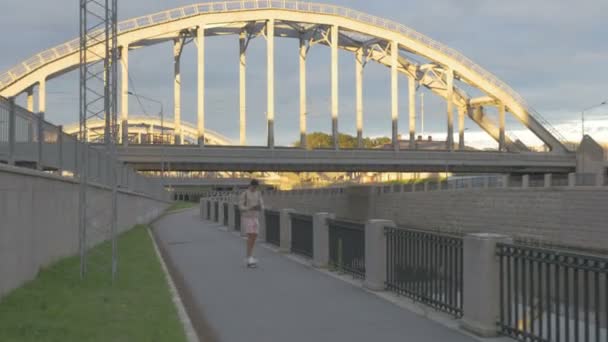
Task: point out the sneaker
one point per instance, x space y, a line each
251 262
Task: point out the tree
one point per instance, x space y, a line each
318 140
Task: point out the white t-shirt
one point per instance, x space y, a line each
250 199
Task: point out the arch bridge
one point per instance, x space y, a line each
444 71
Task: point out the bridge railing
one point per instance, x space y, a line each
27 140
302 234
273 227
347 247
426 267
551 295
538 293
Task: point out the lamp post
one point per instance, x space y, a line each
162 132
583 116
583 130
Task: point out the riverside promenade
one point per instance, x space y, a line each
282 300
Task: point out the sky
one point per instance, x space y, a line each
553 52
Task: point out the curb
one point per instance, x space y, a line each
191 335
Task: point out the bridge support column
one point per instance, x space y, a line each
303 104
30 99
359 96
42 96
395 94
270 80
200 82
461 114
243 88
412 110
334 86
481 280
285 226
375 254
501 124
320 241
450 108
177 90
124 94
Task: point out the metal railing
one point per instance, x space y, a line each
208 210
216 211
550 295
426 267
27 140
301 234
273 227
347 247
237 218
231 6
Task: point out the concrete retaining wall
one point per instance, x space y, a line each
39 220
575 216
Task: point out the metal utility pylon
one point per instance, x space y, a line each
98 99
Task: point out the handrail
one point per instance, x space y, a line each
72 46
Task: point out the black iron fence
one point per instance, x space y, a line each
273 227
237 218
216 210
208 210
426 267
347 247
225 219
549 295
301 234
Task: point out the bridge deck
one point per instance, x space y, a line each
282 300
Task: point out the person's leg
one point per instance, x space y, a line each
250 243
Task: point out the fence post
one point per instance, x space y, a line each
231 216
320 242
375 254
572 179
40 132
525 181
481 283
548 180
220 212
285 226
213 213
60 149
505 180
202 208
12 117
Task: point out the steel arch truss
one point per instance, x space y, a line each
312 24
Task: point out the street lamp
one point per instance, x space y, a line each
583 116
162 131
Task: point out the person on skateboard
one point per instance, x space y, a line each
251 205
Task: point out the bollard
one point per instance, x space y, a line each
285 226
481 283
320 242
375 254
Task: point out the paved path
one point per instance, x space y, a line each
282 300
